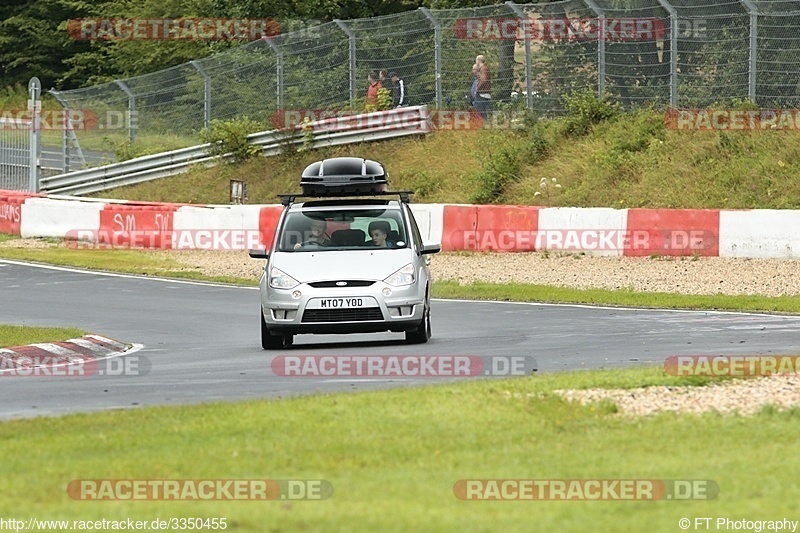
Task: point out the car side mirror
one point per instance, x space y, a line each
431 248
258 254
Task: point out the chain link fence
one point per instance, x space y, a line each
679 53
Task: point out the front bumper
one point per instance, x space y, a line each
284 312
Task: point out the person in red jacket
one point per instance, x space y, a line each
372 91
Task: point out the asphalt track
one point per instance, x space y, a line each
201 341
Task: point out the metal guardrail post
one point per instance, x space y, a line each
673 52
752 9
437 57
279 70
206 92
352 62
131 108
601 46
526 28
35 152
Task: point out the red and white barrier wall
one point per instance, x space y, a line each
597 231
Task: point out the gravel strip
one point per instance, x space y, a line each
710 275
742 396
707 275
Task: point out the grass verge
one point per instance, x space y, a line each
21 335
393 457
138 262
521 292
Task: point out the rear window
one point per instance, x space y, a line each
346 229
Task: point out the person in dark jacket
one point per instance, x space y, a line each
399 90
386 81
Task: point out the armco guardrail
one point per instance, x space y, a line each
334 131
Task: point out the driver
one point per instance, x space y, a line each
318 235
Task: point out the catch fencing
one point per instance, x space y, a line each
680 53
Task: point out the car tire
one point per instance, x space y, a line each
270 341
422 333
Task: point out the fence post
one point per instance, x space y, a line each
437 54
526 28
35 153
131 109
67 125
351 37
601 46
279 69
206 92
752 9
673 52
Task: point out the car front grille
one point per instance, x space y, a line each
362 314
349 282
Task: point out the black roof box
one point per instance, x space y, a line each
344 176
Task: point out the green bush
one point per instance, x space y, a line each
585 109
230 137
643 127
536 145
501 165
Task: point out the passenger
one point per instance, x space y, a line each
379 231
318 236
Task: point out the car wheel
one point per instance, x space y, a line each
423 333
272 342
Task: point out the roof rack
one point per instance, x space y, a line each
289 198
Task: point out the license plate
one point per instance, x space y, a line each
353 302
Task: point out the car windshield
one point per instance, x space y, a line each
345 229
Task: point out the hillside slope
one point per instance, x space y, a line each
630 160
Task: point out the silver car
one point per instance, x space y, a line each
346 265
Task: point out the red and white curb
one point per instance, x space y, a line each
73 357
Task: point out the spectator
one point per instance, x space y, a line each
483 91
399 94
474 88
386 81
372 91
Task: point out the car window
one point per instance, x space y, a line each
345 229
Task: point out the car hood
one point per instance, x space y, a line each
375 265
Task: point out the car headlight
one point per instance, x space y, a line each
404 276
278 279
